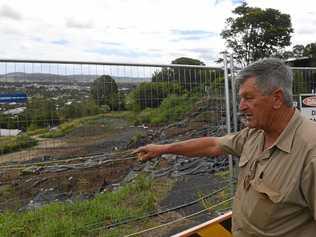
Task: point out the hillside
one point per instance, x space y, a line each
58 78
95 158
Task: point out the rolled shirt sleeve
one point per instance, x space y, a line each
233 143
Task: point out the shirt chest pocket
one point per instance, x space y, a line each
243 164
263 203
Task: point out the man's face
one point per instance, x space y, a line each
255 106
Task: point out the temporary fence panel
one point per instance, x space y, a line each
81 115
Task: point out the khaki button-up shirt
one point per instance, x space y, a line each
276 191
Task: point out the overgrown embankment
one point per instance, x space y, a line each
89 217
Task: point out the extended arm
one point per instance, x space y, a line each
204 146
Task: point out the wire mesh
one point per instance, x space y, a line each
304 82
56 94
51 111
60 111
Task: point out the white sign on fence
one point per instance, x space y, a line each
308 106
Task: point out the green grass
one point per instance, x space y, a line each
223 174
173 108
130 116
86 218
11 144
67 127
38 131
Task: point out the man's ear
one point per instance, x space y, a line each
278 98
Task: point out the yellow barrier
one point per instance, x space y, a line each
217 227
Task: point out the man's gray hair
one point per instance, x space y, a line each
270 74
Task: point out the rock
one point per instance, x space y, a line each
162 172
28 170
189 165
151 165
45 197
84 196
28 180
58 168
116 186
105 186
36 183
128 178
169 157
138 166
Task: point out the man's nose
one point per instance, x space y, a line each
242 105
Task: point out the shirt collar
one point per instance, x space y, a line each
285 140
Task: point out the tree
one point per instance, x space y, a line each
256 33
40 113
310 50
103 90
286 55
79 109
187 61
151 94
165 74
188 77
298 50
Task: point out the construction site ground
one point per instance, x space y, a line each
61 169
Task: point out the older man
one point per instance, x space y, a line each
276 192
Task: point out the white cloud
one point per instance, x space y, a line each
152 31
80 24
7 11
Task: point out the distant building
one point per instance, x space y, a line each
14 111
18 97
9 132
300 62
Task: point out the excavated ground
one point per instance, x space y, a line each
31 186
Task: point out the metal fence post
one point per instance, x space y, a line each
230 158
234 94
234 104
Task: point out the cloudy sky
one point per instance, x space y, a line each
146 31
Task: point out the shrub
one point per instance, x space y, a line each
172 108
11 144
40 113
61 131
151 94
79 109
